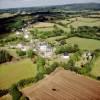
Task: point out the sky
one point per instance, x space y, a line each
34 3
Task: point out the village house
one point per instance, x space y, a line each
45 49
22 47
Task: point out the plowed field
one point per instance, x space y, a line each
64 85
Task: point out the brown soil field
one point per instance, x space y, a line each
64 85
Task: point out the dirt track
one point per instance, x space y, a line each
64 85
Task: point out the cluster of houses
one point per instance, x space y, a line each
41 48
87 55
25 32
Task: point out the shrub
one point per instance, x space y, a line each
52 67
38 77
16 94
30 53
86 69
98 78
67 48
40 65
4 56
24 98
24 82
21 53
3 92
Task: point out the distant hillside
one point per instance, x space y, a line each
82 6
75 7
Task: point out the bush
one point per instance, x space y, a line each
16 94
86 69
70 66
30 53
40 65
86 32
24 82
52 68
3 92
21 53
4 56
67 48
97 52
98 78
24 98
38 77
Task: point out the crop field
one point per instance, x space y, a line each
43 25
89 44
96 68
13 72
45 29
64 85
80 21
63 21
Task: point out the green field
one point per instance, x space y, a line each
13 72
89 44
86 22
96 68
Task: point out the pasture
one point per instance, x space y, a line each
96 68
89 44
86 22
14 71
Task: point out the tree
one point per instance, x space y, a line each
62 42
75 48
30 53
40 65
72 29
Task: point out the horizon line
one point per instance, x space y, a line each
42 6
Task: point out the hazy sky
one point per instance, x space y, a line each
32 3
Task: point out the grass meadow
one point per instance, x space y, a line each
13 72
89 44
96 68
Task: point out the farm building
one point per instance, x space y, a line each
45 49
65 56
22 47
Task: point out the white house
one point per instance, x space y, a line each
45 50
25 48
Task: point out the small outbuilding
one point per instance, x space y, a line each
65 55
